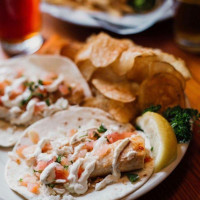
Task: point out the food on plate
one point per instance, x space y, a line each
34 87
130 75
164 89
162 138
118 8
79 153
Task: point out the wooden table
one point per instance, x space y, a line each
184 182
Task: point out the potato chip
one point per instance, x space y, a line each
122 112
177 63
146 67
161 89
114 87
106 50
87 69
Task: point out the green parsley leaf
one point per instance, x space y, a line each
66 167
138 128
102 129
132 177
153 108
151 148
47 102
20 180
51 185
40 82
25 101
181 121
96 135
39 95
59 159
83 136
39 171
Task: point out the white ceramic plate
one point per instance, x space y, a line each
156 178
128 24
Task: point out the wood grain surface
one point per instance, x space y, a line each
184 182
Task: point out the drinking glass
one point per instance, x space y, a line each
187 25
20 23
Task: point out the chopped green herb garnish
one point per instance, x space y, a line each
39 171
71 162
69 88
47 102
152 108
102 129
138 128
142 5
66 167
39 95
181 121
59 159
20 180
132 177
83 136
107 139
25 101
51 185
40 82
151 148
96 135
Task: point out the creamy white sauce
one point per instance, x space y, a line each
60 104
27 115
80 186
48 174
115 172
54 86
15 115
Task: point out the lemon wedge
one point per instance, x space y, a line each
161 136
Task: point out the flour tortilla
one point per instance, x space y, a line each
36 66
57 126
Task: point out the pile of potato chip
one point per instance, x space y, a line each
125 78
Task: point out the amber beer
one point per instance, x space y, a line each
187 24
20 23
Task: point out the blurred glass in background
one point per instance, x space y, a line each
20 23
187 25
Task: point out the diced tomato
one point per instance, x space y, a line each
0 101
19 151
113 137
89 145
19 90
33 187
103 150
3 85
64 89
34 137
39 107
80 171
61 172
46 147
147 159
48 79
65 161
20 73
41 165
81 153
72 132
31 183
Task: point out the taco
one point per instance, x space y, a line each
34 87
79 153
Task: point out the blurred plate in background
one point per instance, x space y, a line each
128 24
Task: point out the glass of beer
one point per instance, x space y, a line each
20 22
187 25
